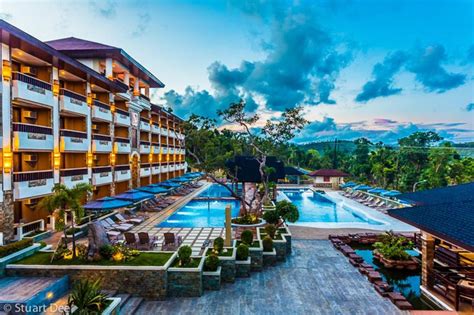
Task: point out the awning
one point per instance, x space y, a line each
107 203
362 187
153 189
391 193
134 195
169 184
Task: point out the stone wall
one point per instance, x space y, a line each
184 283
7 216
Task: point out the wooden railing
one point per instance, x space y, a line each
31 80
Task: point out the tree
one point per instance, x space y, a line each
361 166
382 165
65 200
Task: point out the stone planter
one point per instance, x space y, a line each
396 264
112 309
211 280
255 254
185 282
40 237
242 268
285 231
228 266
269 258
248 226
279 245
16 256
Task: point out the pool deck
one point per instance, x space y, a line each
316 279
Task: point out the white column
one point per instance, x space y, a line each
6 116
109 68
126 78
55 119
136 87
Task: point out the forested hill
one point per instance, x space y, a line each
323 146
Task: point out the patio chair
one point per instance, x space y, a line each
120 227
132 220
130 239
171 241
146 242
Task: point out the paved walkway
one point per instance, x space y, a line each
317 279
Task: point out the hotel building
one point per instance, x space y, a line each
76 111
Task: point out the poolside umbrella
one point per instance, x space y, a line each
375 190
381 191
391 193
180 179
362 187
153 189
107 203
169 184
348 185
134 195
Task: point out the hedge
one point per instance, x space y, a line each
14 247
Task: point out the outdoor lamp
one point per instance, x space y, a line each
57 160
6 70
89 99
55 87
7 161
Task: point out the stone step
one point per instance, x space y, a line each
109 292
123 298
131 306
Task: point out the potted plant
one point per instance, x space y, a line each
242 263
255 249
211 276
185 274
391 251
269 253
86 298
279 240
226 257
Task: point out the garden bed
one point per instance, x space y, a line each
185 281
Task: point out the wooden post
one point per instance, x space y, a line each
228 227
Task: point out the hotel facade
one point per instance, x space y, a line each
76 111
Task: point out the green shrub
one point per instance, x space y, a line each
287 211
43 244
106 251
184 255
218 244
271 230
87 297
246 219
267 244
393 247
81 251
247 237
211 263
242 252
15 246
271 216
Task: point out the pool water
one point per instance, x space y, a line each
314 207
405 282
201 213
216 191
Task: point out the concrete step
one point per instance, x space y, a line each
131 306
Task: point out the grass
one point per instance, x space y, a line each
224 253
255 244
193 264
144 259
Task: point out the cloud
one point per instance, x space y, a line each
384 121
470 107
143 24
105 8
381 85
5 16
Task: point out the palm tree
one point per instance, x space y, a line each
65 200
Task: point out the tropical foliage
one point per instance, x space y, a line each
393 247
87 297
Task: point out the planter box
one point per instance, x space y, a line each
269 258
185 282
255 254
16 256
211 280
242 268
39 237
280 246
287 234
228 266
396 264
112 309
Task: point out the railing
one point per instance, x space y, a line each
73 172
73 133
101 105
101 137
29 176
144 165
144 97
144 142
21 127
122 167
122 140
121 84
23 229
30 80
121 112
74 95
101 169
145 120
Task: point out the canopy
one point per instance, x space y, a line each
362 187
107 203
134 195
180 179
348 184
391 193
153 189
169 184
376 190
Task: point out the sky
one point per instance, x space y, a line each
375 68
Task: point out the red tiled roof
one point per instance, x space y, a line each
73 43
328 172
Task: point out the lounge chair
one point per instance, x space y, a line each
112 225
171 241
133 220
146 242
130 239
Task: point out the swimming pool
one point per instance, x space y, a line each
201 213
216 191
315 208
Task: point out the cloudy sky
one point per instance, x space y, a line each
374 68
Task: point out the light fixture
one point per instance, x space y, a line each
89 99
7 161
55 87
112 159
90 159
112 107
57 160
6 70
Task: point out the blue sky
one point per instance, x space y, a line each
374 68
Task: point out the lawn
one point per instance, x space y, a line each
144 259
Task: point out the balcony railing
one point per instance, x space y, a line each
101 111
31 176
101 105
31 80
122 140
122 112
73 95
101 137
73 133
101 175
73 172
32 137
101 169
122 167
32 128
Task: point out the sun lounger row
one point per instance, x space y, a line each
369 200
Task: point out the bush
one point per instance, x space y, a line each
247 237
14 247
184 255
81 251
43 244
287 211
211 263
218 244
271 216
242 252
106 251
87 297
271 230
267 244
246 219
393 247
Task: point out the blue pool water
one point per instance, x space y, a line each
198 213
313 207
215 191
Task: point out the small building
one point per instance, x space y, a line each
445 217
328 178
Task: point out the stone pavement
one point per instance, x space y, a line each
316 279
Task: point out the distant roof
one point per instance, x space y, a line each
450 221
293 171
81 48
246 168
462 192
328 172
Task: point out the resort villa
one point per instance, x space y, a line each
161 238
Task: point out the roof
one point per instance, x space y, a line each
328 172
246 168
462 192
293 171
450 221
81 48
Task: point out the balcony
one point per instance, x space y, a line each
72 176
145 170
172 134
101 111
145 124
164 150
32 137
164 132
122 117
32 184
171 168
171 150
156 147
142 101
155 128
155 168
74 103
101 175
73 141
164 168
145 147
31 90
101 143
122 172
122 145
